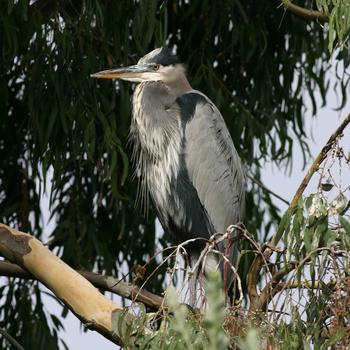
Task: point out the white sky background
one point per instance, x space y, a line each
319 129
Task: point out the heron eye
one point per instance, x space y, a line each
156 67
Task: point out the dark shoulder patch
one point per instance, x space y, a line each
187 103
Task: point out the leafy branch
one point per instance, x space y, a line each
303 12
256 300
313 168
335 13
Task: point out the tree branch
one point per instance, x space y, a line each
304 285
11 340
270 290
106 283
302 12
79 295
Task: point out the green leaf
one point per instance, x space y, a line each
327 186
125 166
113 156
329 237
345 224
308 201
64 312
331 31
251 341
52 120
308 237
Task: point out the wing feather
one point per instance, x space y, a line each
213 164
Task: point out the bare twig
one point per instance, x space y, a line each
11 339
270 290
308 14
239 282
303 284
106 283
266 189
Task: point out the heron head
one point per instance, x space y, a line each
158 65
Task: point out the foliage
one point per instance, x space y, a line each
308 308
181 328
65 133
338 12
24 320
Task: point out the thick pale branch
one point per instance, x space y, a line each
303 12
106 283
78 294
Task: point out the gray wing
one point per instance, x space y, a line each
212 161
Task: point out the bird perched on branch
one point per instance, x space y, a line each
187 161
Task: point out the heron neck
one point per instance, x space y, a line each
179 86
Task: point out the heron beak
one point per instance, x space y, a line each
127 73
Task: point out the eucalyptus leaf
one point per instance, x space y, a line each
346 225
327 186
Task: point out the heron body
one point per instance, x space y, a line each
187 161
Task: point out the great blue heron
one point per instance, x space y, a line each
186 157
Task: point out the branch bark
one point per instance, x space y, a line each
311 15
106 283
11 340
264 188
79 295
268 292
255 268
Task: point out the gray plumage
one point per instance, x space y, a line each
187 161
